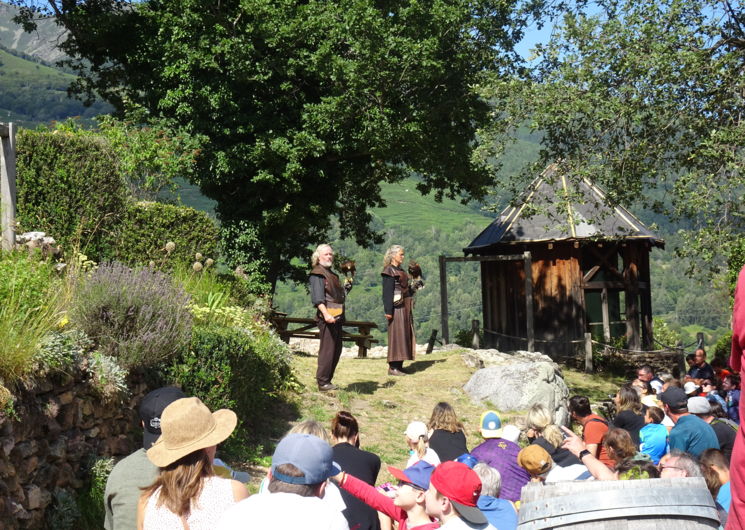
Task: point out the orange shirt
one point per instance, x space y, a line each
594 428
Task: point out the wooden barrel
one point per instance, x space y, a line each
658 504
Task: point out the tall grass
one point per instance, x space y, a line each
30 307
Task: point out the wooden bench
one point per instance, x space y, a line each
308 330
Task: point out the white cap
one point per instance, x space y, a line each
415 429
511 433
690 387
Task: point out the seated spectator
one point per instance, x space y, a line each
187 493
714 485
500 454
332 495
678 464
715 460
647 395
500 513
690 433
654 435
453 495
691 389
620 446
646 374
629 412
300 466
354 461
542 431
725 429
541 467
407 506
131 474
700 369
446 435
731 389
417 438
710 390
593 428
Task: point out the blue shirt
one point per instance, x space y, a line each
693 435
500 513
724 497
654 441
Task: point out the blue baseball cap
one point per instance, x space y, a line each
491 425
467 459
417 475
309 454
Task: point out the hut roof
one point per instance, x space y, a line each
555 208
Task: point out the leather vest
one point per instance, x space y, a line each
401 283
332 287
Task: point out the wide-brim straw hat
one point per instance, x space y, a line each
187 425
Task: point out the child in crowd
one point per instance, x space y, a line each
407 506
654 435
417 438
452 497
447 436
731 388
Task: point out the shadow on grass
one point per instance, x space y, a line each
420 366
363 387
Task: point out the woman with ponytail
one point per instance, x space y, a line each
417 438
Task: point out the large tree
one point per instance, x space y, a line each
303 108
646 98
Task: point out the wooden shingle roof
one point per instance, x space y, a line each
556 208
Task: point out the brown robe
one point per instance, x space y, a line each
330 335
401 339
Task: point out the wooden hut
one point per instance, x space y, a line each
590 270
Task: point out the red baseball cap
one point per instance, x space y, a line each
462 486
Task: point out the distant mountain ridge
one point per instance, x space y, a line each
41 43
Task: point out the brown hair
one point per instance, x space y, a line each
628 399
181 482
619 440
344 425
278 486
715 458
443 417
656 413
712 480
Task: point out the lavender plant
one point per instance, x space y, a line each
137 316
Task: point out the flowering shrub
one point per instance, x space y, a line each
107 377
137 316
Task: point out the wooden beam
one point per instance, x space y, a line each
618 286
444 300
506 257
529 300
8 187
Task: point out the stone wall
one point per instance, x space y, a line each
59 425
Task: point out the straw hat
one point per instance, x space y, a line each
187 425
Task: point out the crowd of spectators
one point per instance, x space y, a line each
322 479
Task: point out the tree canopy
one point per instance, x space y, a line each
644 97
303 108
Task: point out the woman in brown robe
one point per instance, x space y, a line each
398 301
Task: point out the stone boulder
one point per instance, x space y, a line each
513 382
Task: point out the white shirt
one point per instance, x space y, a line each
430 457
282 511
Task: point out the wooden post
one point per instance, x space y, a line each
588 353
606 315
475 340
529 300
431 342
700 340
8 185
444 300
362 344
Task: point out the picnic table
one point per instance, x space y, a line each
307 329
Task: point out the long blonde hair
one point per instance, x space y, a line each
538 418
181 482
392 251
443 417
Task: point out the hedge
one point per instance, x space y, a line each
69 187
146 227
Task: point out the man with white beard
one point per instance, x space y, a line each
327 296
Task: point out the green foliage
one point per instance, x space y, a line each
723 348
150 157
58 171
64 512
359 93
29 309
664 334
106 376
90 501
136 316
240 369
61 351
146 227
644 98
